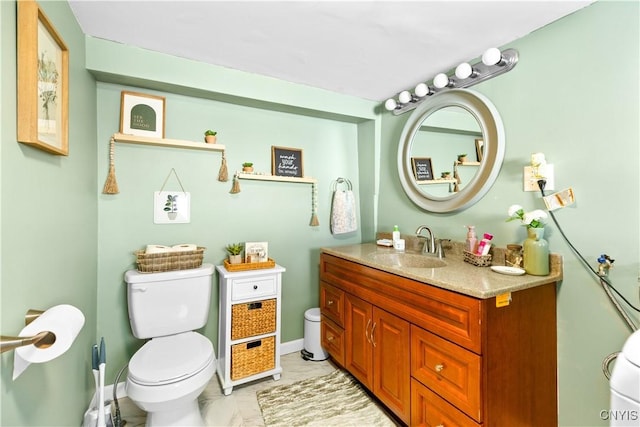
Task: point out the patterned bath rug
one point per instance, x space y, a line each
330 400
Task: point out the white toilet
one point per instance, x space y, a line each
168 373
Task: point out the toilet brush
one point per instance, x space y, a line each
96 370
102 365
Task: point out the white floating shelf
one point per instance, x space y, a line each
436 181
257 177
163 142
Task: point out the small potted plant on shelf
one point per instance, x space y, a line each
247 167
210 136
445 175
234 250
462 158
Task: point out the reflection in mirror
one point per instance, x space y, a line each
439 130
441 138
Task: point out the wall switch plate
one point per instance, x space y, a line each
531 182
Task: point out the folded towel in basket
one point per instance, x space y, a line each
343 209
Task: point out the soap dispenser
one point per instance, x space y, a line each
395 236
472 239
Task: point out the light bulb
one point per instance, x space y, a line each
464 71
404 97
422 90
491 56
390 104
441 80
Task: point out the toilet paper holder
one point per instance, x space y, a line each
42 339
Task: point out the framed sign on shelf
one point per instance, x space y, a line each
142 114
286 162
42 82
422 168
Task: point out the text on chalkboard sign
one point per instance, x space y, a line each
422 168
286 162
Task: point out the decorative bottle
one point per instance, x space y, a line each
536 253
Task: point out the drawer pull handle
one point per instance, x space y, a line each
255 287
330 302
254 305
330 338
439 367
440 425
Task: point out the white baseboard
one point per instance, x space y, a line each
291 346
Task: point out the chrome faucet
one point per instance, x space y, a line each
429 243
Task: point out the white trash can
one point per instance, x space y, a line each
312 348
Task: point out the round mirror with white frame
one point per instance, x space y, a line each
452 122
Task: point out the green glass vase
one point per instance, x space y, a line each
536 252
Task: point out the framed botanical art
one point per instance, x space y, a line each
142 114
43 82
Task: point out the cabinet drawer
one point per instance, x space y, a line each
253 288
332 339
332 302
253 318
429 410
448 369
252 357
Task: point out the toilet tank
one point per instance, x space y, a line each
170 302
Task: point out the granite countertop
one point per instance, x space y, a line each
457 276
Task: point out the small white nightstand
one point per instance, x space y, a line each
249 326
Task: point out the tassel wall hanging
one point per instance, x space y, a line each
223 175
314 206
110 185
235 188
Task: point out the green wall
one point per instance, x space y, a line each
49 241
574 95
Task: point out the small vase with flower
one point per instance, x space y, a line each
535 247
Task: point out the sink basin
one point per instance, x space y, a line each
405 260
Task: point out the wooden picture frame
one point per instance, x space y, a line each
42 82
142 114
422 168
480 149
286 162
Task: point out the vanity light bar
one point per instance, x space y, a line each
493 64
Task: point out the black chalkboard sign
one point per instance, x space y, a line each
422 168
286 162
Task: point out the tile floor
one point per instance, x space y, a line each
240 408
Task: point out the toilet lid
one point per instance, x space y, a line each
169 359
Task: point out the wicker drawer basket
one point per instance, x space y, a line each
253 318
252 357
169 261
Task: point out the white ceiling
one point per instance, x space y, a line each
369 49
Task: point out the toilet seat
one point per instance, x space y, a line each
166 360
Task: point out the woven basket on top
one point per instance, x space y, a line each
169 261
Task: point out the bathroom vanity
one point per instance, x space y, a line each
456 345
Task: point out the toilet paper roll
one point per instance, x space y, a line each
184 247
65 321
157 249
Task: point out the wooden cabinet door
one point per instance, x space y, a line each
357 329
390 338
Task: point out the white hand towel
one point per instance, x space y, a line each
343 210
